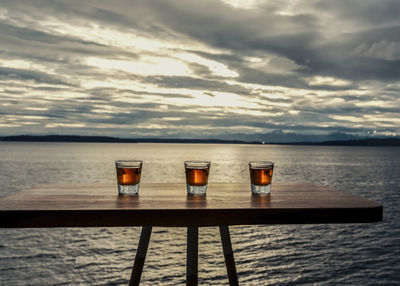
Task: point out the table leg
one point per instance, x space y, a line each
192 255
228 253
140 256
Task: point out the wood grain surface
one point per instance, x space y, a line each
99 205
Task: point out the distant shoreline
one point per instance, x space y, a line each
390 142
106 139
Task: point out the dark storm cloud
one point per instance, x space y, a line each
9 33
39 77
344 58
299 38
364 11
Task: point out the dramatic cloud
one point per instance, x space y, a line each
199 69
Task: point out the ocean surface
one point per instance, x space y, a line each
322 254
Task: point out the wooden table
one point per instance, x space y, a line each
167 205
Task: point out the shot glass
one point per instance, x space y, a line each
128 176
197 176
261 176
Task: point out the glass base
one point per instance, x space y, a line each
260 190
128 189
196 190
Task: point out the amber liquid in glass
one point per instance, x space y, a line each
128 176
261 177
196 176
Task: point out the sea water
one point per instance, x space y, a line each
322 254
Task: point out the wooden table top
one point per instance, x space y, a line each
98 205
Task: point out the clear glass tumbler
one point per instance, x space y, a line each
197 176
261 176
128 176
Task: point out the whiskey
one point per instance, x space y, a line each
261 177
197 176
128 176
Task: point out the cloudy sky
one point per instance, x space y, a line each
199 69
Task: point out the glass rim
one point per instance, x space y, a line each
197 163
261 163
137 162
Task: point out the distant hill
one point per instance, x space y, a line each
391 141
278 136
365 142
65 138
